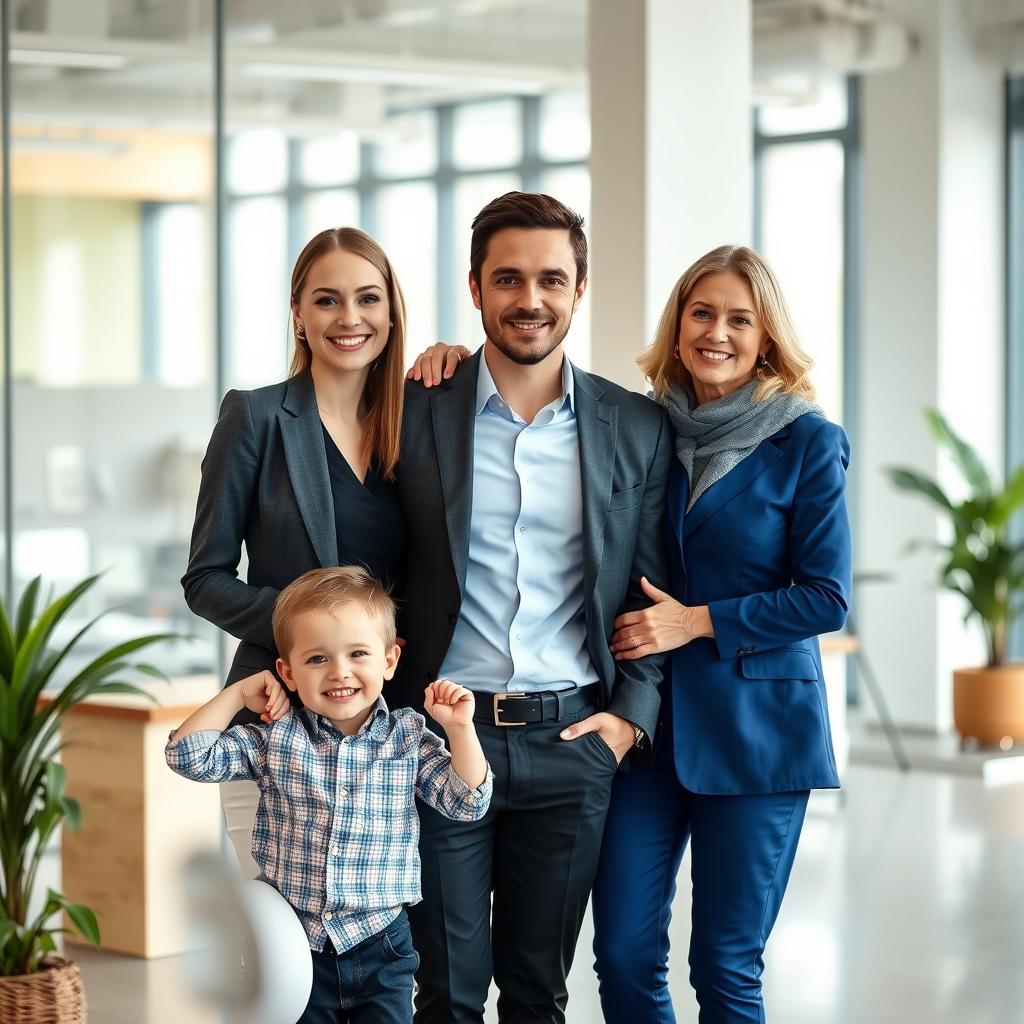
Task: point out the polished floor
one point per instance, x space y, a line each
906 907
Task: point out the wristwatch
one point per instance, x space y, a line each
638 734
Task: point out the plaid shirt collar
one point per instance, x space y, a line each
375 726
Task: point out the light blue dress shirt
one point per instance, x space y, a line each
522 624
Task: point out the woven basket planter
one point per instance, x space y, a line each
52 995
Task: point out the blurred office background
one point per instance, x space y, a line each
165 161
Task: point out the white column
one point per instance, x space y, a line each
932 336
670 163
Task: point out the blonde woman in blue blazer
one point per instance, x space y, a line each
759 559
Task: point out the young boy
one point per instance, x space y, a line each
337 830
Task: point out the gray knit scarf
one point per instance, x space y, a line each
717 436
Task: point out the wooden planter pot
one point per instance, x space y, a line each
53 995
988 703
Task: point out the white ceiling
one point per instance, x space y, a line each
315 64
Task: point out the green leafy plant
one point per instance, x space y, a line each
979 562
33 798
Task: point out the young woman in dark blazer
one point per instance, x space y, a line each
302 472
759 558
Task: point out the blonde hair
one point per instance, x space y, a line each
785 369
386 383
323 590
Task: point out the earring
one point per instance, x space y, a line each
675 352
300 331
391 323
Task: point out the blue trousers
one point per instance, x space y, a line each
368 984
742 850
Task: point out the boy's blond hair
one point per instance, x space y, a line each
324 590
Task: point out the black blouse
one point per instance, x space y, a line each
368 518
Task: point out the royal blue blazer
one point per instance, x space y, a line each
767 549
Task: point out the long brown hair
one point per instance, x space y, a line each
386 381
787 366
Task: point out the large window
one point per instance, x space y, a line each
141 220
415 185
805 165
111 319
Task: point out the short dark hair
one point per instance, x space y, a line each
324 590
526 210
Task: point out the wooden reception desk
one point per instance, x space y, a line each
140 820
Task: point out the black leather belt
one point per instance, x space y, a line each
519 708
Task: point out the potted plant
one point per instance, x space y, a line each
980 563
35 984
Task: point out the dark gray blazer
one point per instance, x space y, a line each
625 453
264 483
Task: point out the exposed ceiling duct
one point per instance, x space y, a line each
998 27
835 37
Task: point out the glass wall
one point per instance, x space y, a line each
111 339
122 187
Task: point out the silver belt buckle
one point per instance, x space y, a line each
497 710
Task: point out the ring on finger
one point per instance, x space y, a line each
636 643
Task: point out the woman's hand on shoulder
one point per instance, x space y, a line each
437 363
664 626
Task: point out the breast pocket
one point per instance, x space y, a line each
629 498
779 664
392 788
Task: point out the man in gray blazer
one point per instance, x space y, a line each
534 494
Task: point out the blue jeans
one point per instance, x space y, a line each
368 984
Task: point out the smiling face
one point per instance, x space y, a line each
527 292
344 310
720 335
338 663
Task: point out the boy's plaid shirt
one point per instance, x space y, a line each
336 830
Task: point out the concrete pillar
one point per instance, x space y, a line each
933 334
670 159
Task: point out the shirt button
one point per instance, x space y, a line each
335 850
522 529
328 916
343 792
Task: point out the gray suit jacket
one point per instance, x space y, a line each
264 483
625 453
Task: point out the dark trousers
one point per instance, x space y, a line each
536 850
368 984
742 850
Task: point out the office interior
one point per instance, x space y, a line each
164 161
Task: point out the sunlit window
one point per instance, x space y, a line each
257 161
802 238
257 311
488 135
565 126
409 147
332 160
335 208
183 311
407 229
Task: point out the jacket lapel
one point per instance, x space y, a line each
596 426
675 505
737 479
451 412
303 440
